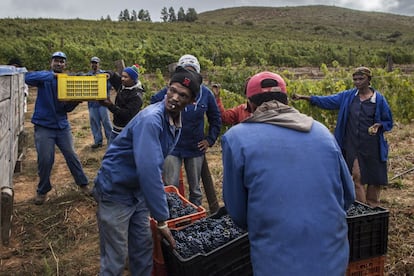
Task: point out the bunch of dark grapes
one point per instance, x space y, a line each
205 235
357 209
177 207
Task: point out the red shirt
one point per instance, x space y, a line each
233 115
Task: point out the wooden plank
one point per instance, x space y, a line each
5 83
5 162
21 102
14 155
4 119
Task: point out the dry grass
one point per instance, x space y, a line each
61 237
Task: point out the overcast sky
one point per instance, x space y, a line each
95 9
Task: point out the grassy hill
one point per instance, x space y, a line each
253 36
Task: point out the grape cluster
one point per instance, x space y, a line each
357 209
177 207
205 235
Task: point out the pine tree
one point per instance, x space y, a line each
164 14
191 15
181 14
171 15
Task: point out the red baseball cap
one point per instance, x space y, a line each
265 82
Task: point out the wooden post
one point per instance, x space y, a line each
350 61
209 187
6 213
120 66
389 63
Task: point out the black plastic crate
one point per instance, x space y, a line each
232 258
367 232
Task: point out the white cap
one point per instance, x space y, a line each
95 59
189 60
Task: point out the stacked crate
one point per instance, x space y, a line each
368 238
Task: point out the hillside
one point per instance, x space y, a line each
288 36
312 15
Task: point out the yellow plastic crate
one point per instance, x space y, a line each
78 88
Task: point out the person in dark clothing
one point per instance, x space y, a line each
98 114
193 143
364 115
128 100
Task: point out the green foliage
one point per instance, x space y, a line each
231 50
395 86
288 37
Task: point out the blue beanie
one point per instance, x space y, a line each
132 72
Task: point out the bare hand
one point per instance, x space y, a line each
166 233
203 145
295 97
372 130
216 90
106 102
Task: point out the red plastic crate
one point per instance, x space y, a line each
176 224
368 267
180 222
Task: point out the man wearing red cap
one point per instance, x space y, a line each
286 182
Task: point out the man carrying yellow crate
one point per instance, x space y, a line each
51 127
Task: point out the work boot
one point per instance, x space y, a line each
39 199
85 190
95 146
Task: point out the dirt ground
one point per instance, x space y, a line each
61 236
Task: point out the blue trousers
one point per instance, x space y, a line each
192 165
124 230
45 141
98 118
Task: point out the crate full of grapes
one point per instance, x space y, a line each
182 213
367 231
210 246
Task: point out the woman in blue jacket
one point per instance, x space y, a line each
364 115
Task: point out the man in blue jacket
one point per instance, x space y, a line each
364 115
129 186
51 127
286 182
193 143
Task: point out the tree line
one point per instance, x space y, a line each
167 15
